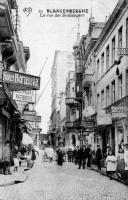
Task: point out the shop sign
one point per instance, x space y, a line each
88 124
32 112
24 96
36 130
119 111
32 118
20 81
104 119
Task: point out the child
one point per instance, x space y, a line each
16 163
111 164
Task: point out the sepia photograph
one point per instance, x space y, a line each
63 100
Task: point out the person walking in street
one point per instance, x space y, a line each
84 156
111 164
80 157
6 158
76 155
89 155
59 157
69 153
99 157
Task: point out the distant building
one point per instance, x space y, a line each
62 64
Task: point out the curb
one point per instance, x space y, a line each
112 178
15 181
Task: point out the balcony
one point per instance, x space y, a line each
87 81
122 102
69 124
71 101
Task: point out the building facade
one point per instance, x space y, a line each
72 112
13 64
111 79
62 64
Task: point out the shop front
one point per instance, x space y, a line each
103 131
120 126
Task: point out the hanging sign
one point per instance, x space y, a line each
104 119
119 111
19 81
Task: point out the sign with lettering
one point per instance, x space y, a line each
20 81
32 118
104 119
119 111
25 96
36 130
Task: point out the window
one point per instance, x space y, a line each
102 98
120 87
98 68
113 92
107 57
120 37
127 33
107 95
113 50
98 101
102 63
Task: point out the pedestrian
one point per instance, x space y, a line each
16 163
6 158
99 157
76 155
69 153
73 154
59 157
126 163
80 157
89 155
84 156
111 162
33 158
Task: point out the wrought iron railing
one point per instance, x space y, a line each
120 102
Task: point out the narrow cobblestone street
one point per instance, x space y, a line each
47 181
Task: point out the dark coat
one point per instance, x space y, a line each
33 155
98 154
85 153
80 153
89 152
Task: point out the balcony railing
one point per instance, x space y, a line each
121 102
71 101
87 80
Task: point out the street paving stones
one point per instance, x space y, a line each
47 181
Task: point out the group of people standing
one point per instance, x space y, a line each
83 156
13 156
